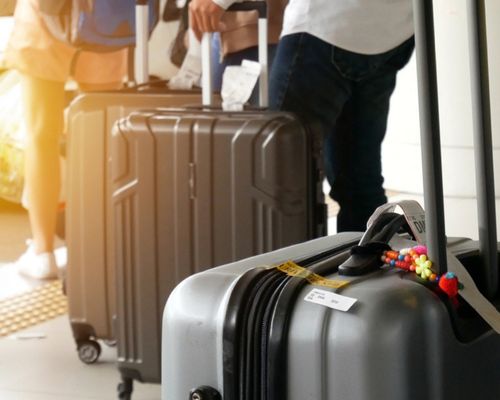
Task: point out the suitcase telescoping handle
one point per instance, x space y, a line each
206 54
141 39
431 144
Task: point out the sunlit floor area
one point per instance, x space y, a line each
38 359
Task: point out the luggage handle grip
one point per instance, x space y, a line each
259 6
206 54
431 143
142 38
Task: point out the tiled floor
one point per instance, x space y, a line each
40 363
49 369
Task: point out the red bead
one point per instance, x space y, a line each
449 285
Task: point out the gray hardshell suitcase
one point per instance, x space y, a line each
196 188
270 328
245 331
90 277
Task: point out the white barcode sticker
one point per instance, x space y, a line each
329 299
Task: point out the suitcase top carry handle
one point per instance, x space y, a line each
431 144
206 54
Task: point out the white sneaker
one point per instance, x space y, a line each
37 266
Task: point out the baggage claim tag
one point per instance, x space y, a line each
329 299
319 296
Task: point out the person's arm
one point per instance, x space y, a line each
205 15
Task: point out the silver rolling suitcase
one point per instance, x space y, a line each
90 279
347 318
195 188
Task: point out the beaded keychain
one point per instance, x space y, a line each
415 259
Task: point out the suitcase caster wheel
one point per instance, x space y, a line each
125 389
88 351
204 393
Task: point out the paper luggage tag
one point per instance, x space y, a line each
189 74
238 82
329 299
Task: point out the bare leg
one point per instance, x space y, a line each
44 116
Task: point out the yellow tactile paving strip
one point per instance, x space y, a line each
32 308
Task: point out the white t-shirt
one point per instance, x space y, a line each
360 26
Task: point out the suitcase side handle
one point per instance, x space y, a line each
431 144
206 54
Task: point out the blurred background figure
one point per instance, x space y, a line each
46 65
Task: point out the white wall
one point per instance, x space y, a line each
401 151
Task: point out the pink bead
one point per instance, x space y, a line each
420 249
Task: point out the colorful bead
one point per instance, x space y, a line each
449 284
420 249
415 259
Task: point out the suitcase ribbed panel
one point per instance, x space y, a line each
134 201
198 190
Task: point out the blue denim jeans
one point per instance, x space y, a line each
343 98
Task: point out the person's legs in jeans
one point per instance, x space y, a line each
336 147
358 182
317 81
304 81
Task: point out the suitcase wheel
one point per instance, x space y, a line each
125 389
88 351
204 393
